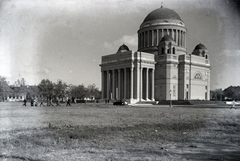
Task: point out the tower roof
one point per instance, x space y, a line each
123 48
162 13
167 38
200 46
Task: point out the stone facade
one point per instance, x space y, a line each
128 75
161 69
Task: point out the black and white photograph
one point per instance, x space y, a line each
106 80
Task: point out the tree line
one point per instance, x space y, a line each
230 93
47 89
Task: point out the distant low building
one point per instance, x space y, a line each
16 96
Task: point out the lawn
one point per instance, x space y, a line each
104 132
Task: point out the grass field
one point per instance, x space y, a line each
104 132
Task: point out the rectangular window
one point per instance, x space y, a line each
186 85
161 92
206 87
174 90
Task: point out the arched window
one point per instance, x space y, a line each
173 50
146 39
143 39
163 52
150 38
155 37
168 51
139 40
160 77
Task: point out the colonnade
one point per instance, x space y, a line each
118 84
153 37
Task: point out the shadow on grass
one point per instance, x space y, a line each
211 151
135 133
17 157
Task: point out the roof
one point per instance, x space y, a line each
162 13
167 38
123 48
200 46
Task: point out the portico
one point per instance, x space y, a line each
128 76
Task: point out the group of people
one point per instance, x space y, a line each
34 102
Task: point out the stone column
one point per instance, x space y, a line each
147 83
108 84
141 83
157 38
103 90
125 83
113 85
139 40
153 85
153 38
119 84
185 37
131 97
181 38
148 36
143 37
177 37
160 35
137 80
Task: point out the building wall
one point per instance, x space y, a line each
151 33
176 75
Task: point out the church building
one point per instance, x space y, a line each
161 69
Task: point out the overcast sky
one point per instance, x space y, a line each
60 39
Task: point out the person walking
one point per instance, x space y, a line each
41 102
233 105
25 102
68 102
35 102
50 102
57 102
32 102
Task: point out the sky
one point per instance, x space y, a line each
59 39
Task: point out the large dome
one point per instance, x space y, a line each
162 13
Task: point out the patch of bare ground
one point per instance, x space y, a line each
104 132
